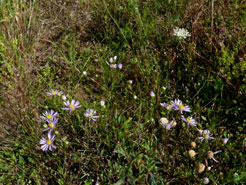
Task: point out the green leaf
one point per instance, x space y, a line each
3 167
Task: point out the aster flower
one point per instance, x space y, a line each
190 121
178 105
47 143
201 167
71 106
152 94
54 92
112 64
64 97
211 155
49 115
102 102
167 105
51 124
181 33
193 144
90 114
192 153
205 135
164 122
225 140
119 66
205 180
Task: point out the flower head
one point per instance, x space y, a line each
211 155
201 167
192 153
152 94
181 33
205 135
225 140
47 116
119 66
164 122
167 105
54 92
102 102
205 180
190 121
178 105
71 106
47 143
90 114
51 124
112 64
193 144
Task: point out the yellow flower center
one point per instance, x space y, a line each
201 167
71 106
48 142
54 92
210 155
192 153
188 120
181 106
51 124
206 136
48 116
90 115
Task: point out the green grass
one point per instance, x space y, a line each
48 45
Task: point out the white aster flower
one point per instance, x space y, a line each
190 121
181 33
205 135
178 105
90 114
102 102
54 92
71 106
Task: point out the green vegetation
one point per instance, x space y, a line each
67 45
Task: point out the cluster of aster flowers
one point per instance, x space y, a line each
112 63
205 135
50 117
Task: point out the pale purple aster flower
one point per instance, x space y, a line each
205 135
71 106
115 57
225 140
54 92
205 180
167 105
211 155
111 60
190 121
51 124
49 115
102 102
178 105
165 123
152 94
64 97
90 114
47 143
119 66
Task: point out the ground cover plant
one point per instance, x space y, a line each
122 92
